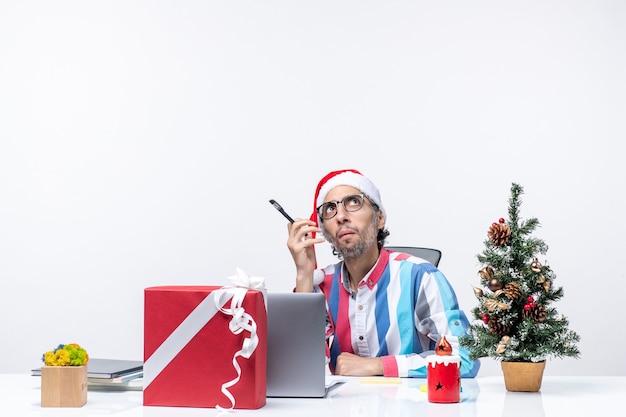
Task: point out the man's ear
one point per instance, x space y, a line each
381 220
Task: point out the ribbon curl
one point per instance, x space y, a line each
241 321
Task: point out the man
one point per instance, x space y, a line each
386 310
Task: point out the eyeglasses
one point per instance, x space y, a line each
350 203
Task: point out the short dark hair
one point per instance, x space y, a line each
382 233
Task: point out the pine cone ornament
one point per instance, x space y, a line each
499 234
512 290
496 326
537 313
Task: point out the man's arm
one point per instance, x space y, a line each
349 364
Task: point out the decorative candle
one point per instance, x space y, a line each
444 374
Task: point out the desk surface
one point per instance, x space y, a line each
484 397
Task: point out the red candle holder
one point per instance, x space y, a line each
444 379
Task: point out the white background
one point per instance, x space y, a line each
140 142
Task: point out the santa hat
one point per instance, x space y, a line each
350 177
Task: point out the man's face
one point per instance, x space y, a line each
352 233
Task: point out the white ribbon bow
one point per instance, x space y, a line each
247 281
241 321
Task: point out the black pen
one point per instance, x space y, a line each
279 208
284 213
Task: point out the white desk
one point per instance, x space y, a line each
481 397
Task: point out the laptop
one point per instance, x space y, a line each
296 353
115 370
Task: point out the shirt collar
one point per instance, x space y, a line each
372 277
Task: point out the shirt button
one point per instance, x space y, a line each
360 337
361 307
370 283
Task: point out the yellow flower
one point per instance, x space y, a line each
49 358
63 357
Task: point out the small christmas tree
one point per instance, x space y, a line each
519 323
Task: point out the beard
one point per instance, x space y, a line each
367 239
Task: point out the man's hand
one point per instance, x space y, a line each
349 364
300 245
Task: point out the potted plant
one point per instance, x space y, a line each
516 322
64 377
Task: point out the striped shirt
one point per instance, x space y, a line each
401 309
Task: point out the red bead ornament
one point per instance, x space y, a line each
501 220
485 318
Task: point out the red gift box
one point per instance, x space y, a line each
189 348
